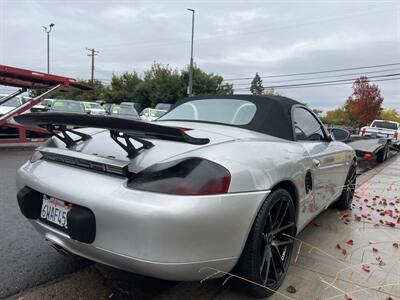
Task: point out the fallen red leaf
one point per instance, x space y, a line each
338 246
291 289
391 224
347 296
346 215
366 268
379 260
375 249
350 242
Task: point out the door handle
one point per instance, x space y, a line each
316 162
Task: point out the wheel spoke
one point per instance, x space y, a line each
283 228
264 270
277 214
283 243
274 271
277 258
283 214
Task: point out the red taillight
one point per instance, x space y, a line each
192 176
363 131
396 134
368 155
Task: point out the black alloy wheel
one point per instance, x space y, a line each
346 198
268 250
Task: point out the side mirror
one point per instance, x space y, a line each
339 134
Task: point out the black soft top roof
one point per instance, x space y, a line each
273 115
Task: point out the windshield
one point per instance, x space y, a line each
67 106
383 124
13 102
163 106
153 113
124 110
225 111
90 105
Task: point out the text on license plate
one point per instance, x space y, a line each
55 211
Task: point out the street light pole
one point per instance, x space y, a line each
190 89
48 30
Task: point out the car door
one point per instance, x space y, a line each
329 158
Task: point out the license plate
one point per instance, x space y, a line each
55 211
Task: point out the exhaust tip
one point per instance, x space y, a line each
61 250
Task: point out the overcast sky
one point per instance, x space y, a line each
232 38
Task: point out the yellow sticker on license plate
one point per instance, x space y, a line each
55 211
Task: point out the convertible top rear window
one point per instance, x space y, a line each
266 114
225 111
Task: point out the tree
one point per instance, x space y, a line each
97 93
160 83
270 92
365 102
317 111
123 88
206 83
338 116
390 114
256 87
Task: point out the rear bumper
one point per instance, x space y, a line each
158 235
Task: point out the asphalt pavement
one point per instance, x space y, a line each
26 259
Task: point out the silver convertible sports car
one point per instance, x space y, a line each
220 181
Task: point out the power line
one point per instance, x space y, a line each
321 77
322 85
316 72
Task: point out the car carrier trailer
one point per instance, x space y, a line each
27 79
370 147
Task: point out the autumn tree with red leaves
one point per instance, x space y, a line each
364 105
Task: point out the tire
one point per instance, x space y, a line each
346 198
382 154
267 253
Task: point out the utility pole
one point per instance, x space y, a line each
92 54
48 30
190 88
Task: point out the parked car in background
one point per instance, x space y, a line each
164 106
136 105
67 106
151 114
124 111
10 104
47 102
383 128
94 108
107 107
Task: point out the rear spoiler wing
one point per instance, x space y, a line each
119 129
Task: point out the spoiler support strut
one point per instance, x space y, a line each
128 146
67 139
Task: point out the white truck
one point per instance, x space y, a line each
384 129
